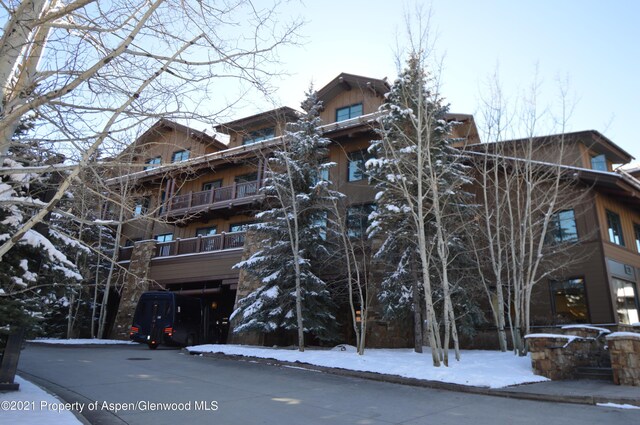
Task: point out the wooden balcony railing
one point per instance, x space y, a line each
200 244
194 201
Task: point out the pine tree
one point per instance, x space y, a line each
292 295
420 177
36 277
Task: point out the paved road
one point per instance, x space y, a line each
248 393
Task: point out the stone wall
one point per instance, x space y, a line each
558 356
136 283
625 357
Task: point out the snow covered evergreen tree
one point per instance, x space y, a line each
36 277
292 295
420 177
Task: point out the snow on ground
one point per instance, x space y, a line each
476 368
618 406
80 341
33 406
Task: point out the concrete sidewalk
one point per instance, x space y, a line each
590 392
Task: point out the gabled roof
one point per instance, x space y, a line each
163 124
271 117
592 139
346 81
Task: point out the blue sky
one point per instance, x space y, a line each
593 44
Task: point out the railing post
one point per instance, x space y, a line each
176 247
212 194
198 243
222 239
233 190
190 199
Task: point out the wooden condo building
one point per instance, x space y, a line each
188 198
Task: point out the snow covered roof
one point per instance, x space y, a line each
270 117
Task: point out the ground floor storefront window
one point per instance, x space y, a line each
569 301
626 299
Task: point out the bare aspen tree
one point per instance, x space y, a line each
523 182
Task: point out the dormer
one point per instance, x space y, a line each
166 142
348 96
259 127
601 154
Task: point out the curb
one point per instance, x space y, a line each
423 383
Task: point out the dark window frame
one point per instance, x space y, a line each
240 224
357 159
218 181
599 163
363 219
178 156
153 162
552 294
141 206
556 233
614 228
636 231
351 112
259 135
200 230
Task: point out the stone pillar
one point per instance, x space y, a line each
558 356
246 285
625 357
136 283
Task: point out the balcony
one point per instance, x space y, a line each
200 244
216 198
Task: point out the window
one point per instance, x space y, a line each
562 227
636 230
180 156
348 112
141 207
356 165
615 228
320 222
626 301
599 162
244 190
206 231
240 227
358 220
323 172
152 163
212 185
250 177
165 249
569 301
258 136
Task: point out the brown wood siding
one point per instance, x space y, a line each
370 103
196 267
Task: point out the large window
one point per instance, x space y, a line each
152 163
141 207
626 301
358 220
636 230
206 231
240 227
569 301
212 185
180 156
599 163
615 228
349 112
562 227
258 136
356 165
164 250
320 222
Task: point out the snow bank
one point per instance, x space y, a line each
618 406
477 368
80 341
43 403
595 328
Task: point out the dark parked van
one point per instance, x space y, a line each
167 318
